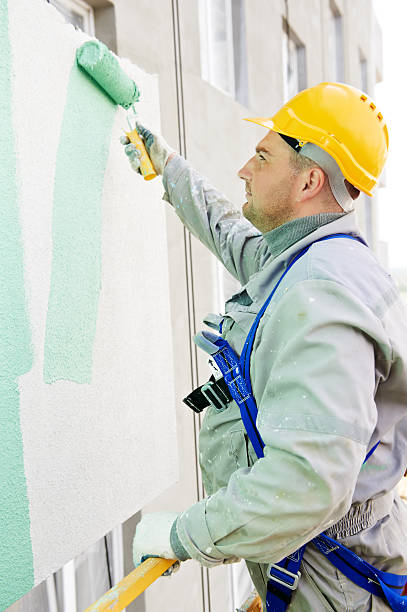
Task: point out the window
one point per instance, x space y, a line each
363 72
239 52
223 46
77 12
294 63
368 219
336 43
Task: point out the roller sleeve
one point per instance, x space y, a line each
100 63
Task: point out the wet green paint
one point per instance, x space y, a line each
16 358
76 231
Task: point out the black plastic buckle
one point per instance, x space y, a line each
213 393
189 401
215 396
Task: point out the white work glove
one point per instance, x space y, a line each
158 150
152 538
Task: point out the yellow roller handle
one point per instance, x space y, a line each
146 167
131 586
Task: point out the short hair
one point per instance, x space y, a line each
298 163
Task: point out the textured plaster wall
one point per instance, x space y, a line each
87 431
15 352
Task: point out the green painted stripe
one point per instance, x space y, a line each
16 358
77 220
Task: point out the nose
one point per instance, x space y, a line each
244 172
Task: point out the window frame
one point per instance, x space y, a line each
83 9
208 58
337 51
363 71
290 37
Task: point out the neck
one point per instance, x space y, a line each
287 234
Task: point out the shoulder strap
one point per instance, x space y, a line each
248 345
244 362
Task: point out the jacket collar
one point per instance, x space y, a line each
259 283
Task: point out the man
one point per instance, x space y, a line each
328 364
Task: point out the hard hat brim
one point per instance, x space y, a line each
268 123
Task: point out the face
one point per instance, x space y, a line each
270 184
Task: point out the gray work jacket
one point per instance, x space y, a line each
329 375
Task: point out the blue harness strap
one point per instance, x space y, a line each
377 582
228 363
283 577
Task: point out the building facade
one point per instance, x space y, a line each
218 61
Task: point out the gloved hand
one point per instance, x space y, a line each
158 150
152 538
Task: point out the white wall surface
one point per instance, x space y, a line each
94 453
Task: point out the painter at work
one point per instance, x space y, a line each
318 376
302 410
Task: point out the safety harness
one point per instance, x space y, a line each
283 577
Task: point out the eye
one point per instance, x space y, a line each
261 157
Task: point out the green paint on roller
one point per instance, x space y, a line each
76 230
16 358
100 63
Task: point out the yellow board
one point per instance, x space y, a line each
252 603
256 605
146 167
131 586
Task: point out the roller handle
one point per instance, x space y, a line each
146 167
132 585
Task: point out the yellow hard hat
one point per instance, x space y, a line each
344 122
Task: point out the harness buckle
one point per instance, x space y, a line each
215 396
289 579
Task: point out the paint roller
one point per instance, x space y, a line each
102 66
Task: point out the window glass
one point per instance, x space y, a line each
70 15
336 44
368 219
294 65
223 46
240 52
363 73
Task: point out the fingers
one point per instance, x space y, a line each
132 153
171 570
146 135
143 132
135 165
174 568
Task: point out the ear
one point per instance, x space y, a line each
313 180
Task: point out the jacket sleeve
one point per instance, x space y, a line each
213 220
313 374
